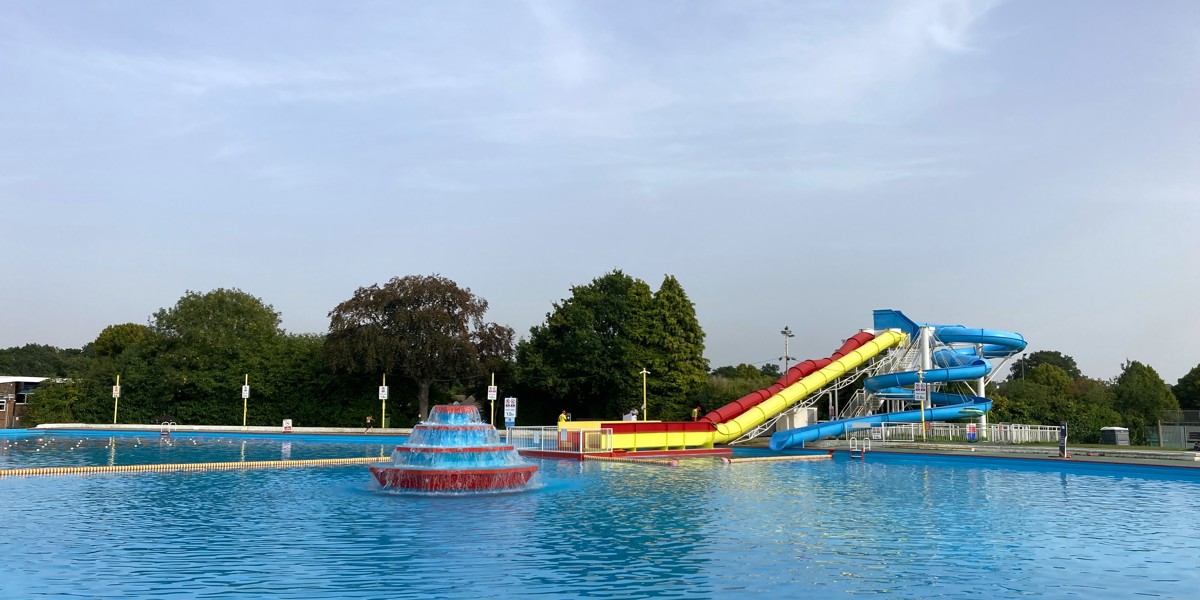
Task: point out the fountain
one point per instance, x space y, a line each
453 450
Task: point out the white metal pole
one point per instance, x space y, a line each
982 393
926 357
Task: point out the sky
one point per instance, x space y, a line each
1023 166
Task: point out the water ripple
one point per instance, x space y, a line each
895 527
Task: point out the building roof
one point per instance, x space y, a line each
19 379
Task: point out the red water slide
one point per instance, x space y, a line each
794 374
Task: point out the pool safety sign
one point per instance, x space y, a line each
287 426
383 392
510 412
921 393
493 392
245 391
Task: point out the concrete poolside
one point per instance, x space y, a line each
1090 454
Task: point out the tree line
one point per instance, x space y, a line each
430 337
427 334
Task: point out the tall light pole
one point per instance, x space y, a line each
787 334
644 374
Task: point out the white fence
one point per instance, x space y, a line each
553 439
1001 433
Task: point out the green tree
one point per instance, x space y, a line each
673 350
131 351
208 342
116 340
771 370
1141 397
1042 397
425 328
745 371
719 391
39 360
587 356
1022 366
55 402
1187 390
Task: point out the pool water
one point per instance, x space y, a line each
897 526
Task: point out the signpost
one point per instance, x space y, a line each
921 395
510 412
383 396
492 393
116 398
245 398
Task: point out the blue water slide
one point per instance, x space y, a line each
954 407
953 364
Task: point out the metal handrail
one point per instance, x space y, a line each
551 438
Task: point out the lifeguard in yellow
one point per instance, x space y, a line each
562 418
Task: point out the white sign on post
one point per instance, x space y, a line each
116 391
510 410
921 393
492 392
287 427
245 391
383 391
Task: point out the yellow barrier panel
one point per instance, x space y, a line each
208 466
667 462
788 458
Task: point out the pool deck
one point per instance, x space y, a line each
1108 454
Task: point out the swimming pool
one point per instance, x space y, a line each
895 525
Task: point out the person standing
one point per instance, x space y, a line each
370 423
696 413
562 418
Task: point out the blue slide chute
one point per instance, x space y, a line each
952 364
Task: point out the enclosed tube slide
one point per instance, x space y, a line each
795 373
757 414
956 405
954 364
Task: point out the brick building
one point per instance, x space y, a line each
14 397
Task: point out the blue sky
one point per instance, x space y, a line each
1026 166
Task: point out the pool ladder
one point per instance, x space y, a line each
859 448
164 430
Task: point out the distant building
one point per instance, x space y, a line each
14 397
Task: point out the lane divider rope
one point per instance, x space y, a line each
666 462
205 466
786 458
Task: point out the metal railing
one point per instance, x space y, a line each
872 367
936 431
859 448
1172 436
1180 417
553 439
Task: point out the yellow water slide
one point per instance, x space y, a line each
758 414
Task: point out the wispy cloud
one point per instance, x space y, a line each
567 56
856 66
